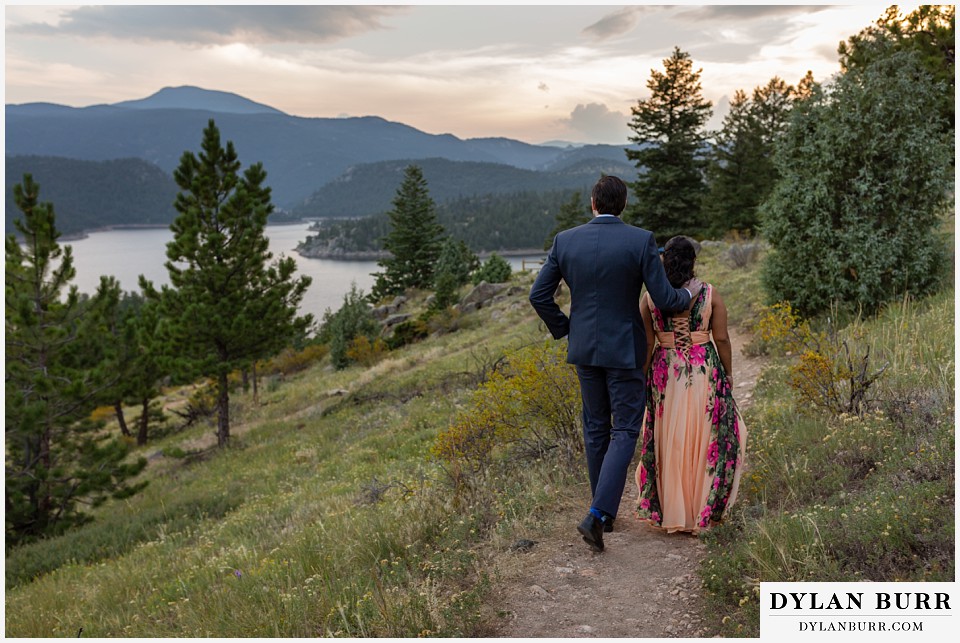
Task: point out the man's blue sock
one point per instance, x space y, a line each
599 515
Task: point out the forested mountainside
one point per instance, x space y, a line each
490 222
370 188
95 194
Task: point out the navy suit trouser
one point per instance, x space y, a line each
619 393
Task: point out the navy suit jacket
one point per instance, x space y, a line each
605 263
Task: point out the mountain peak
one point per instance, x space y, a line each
190 97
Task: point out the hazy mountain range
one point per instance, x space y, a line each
302 156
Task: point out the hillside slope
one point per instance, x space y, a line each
87 195
371 187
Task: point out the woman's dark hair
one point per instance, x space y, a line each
679 255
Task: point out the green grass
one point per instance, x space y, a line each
848 498
325 517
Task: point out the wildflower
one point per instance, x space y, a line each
237 573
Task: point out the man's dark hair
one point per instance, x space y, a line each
679 255
609 195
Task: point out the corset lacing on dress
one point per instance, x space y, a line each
681 337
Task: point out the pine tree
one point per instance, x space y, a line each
454 266
571 214
228 305
669 128
414 239
495 270
806 87
55 459
352 320
149 354
771 109
730 203
134 351
741 173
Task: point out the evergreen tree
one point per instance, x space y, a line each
150 353
413 241
352 320
929 31
55 459
730 203
454 266
495 270
771 109
571 214
669 128
135 353
228 305
806 87
854 216
741 173
115 343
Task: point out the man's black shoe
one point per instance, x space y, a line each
592 531
608 525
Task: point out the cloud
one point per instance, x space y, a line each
33 74
615 24
217 24
720 111
598 122
746 12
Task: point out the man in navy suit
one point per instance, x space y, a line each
605 263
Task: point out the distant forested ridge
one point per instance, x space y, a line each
369 188
95 194
489 222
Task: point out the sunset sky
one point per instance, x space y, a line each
536 73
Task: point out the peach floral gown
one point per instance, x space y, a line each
694 439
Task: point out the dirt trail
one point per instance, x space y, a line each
644 584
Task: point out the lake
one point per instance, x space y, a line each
126 254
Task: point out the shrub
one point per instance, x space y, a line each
530 404
364 352
443 321
453 270
742 251
494 270
290 360
353 319
407 332
829 374
103 414
201 404
864 169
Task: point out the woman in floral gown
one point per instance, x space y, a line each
694 439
